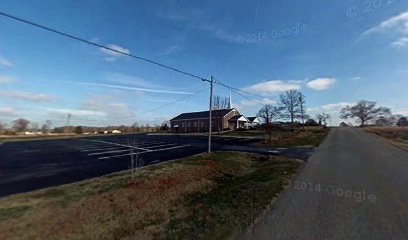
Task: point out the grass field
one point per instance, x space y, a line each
200 197
311 137
395 135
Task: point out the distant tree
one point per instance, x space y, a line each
20 125
402 122
45 128
302 102
219 103
269 112
34 126
311 122
164 126
78 130
364 111
2 127
291 104
322 118
135 127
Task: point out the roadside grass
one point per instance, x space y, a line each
311 137
244 133
201 197
398 136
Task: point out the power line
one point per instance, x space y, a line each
247 97
176 101
244 91
96 44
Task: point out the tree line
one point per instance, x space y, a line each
22 125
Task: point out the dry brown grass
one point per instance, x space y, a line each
114 207
398 136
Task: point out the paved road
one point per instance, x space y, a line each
30 165
355 186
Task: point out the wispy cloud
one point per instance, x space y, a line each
273 86
198 20
401 42
111 106
398 23
321 83
5 62
7 79
27 96
76 112
112 55
129 88
245 104
7 112
170 50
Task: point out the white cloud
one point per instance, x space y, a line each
7 112
330 108
399 20
133 88
5 62
112 55
321 83
401 42
7 79
333 109
170 50
76 112
356 78
398 23
250 103
274 86
28 96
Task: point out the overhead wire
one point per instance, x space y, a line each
97 44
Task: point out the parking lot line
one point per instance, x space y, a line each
164 145
116 144
100 148
147 151
106 152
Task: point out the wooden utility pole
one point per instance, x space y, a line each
210 111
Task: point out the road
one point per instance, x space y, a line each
355 186
31 165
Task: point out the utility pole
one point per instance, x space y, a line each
302 110
210 110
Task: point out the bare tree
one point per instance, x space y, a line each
322 118
269 113
364 111
45 128
20 125
219 103
402 122
302 103
34 126
291 105
2 127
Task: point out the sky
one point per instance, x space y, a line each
335 52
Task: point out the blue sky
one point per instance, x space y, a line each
336 53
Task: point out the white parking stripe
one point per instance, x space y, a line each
148 151
164 145
116 144
116 150
101 153
100 148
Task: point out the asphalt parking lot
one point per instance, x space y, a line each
30 165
